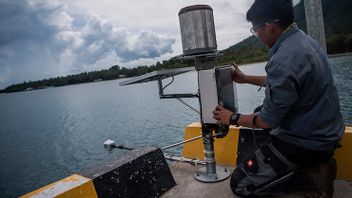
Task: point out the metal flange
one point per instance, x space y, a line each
221 174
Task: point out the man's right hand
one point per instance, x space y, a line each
237 75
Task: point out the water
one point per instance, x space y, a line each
49 134
342 72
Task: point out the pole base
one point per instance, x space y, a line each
222 173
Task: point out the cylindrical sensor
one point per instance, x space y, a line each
197 30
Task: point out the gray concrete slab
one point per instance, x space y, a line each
187 186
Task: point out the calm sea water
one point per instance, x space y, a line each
46 135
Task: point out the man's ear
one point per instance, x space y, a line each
275 28
272 27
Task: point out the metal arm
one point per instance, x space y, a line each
169 96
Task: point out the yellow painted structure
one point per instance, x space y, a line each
225 154
72 186
226 149
343 156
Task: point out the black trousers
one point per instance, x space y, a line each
300 156
275 166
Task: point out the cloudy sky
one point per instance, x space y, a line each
49 38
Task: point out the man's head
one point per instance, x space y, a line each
270 18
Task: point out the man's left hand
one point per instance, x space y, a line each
222 115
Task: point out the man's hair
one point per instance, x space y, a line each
268 10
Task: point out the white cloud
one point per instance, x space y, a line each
41 39
162 16
48 38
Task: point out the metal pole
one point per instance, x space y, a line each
183 142
211 172
209 154
315 21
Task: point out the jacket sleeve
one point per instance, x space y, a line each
280 93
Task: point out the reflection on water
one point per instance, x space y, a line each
48 134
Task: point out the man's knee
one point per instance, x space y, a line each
244 185
240 184
258 173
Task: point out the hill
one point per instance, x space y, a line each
338 27
337 17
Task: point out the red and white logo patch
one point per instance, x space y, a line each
250 163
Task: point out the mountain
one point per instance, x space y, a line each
337 21
338 27
247 51
337 17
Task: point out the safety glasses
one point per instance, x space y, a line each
256 27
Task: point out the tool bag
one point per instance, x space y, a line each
262 173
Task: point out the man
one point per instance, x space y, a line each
301 106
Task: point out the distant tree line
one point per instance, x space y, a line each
243 54
113 72
337 17
339 43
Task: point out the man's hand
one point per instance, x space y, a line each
222 115
237 75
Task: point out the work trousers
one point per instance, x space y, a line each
274 168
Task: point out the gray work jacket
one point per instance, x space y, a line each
301 101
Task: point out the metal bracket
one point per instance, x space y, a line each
170 96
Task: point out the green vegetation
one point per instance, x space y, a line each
337 16
113 72
247 51
338 26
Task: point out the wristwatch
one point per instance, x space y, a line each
234 119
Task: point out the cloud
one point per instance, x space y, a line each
40 38
147 45
4 73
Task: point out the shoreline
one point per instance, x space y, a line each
339 55
244 63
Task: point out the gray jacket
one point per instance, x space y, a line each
301 101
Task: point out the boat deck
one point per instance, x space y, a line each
187 186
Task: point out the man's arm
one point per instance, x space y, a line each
255 80
223 116
239 77
247 121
